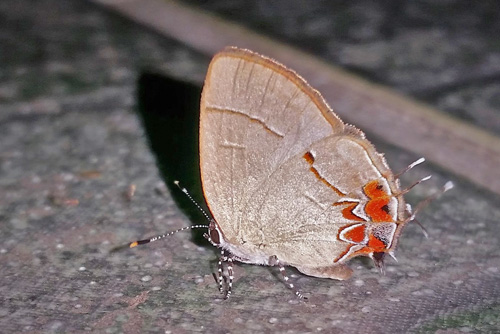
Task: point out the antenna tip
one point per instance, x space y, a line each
176 182
419 161
426 178
448 185
133 244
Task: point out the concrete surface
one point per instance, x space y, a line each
71 144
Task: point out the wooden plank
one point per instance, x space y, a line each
453 144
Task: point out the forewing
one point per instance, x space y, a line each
255 116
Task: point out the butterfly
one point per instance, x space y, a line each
286 181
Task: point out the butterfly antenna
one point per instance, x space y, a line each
158 237
186 192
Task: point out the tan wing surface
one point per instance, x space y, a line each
255 114
296 214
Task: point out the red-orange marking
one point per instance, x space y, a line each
347 211
375 244
374 209
310 160
356 234
374 190
377 206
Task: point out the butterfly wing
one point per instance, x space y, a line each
299 212
275 159
255 114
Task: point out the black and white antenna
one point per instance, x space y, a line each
158 237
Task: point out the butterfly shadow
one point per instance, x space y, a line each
169 111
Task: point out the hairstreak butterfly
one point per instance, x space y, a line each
286 181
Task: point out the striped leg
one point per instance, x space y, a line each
276 261
220 270
231 277
220 274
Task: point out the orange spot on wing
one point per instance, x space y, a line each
356 234
310 160
375 245
347 211
374 190
377 207
309 157
378 210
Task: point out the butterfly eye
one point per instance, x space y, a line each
214 233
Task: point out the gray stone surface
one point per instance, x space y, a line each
71 145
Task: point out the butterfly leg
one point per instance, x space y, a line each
274 261
220 274
220 271
231 277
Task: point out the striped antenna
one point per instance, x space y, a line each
147 241
186 192
158 237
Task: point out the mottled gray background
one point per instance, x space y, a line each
71 144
